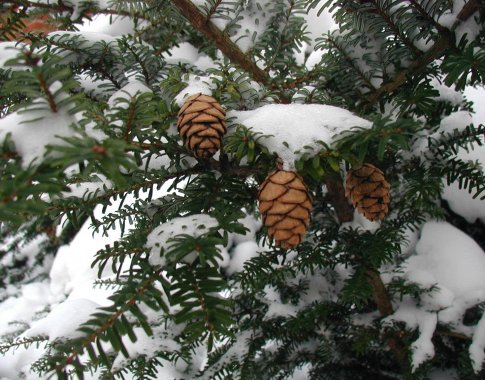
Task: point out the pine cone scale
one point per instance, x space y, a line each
285 206
201 125
368 190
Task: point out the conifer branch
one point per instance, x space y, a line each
384 305
440 28
351 63
400 78
32 62
61 7
392 25
129 122
108 324
26 342
336 195
213 9
48 93
381 297
436 51
345 212
221 40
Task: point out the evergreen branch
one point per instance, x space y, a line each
32 62
221 40
417 65
381 297
440 28
336 195
213 9
61 7
392 25
202 300
384 305
50 98
26 342
437 50
281 39
72 358
351 63
129 122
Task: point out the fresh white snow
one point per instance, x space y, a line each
453 263
292 130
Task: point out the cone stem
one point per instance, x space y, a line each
336 195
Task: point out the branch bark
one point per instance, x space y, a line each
222 41
345 212
336 196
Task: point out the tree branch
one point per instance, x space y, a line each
61 7
336 196
444 42
345 212
222 41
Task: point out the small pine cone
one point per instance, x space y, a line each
201 125
285 206
368 190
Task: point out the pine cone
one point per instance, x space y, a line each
368 190
285 205
201 125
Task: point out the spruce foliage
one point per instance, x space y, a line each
114 162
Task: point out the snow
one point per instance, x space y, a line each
252 23
468 29
318 24
9 50
458 120
63 320
442 257
276 308
130 90
460 200
454 259
293 130
81 189
453 263
242 253
195 84
446 93
302 373
187 53
33 130
477 348
192 225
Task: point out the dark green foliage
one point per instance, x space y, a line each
315 310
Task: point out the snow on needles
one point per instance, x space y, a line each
32 131
453 264
192 225
291 130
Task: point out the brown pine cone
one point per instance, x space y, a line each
368 190
285 205
201 125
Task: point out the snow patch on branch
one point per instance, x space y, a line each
292 130
192 225
33 130
451 265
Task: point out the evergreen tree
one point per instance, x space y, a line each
209 273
